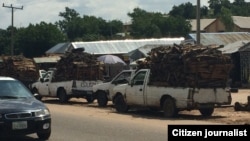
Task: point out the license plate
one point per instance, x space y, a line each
19 125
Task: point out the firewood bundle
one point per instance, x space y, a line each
188 66
78 65
19 67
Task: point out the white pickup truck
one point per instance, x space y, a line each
103 92
64 90
171 100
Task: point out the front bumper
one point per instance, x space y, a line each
35 125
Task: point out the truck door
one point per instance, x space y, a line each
122 78
135 91
44 84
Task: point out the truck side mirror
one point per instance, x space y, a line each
131 83
41 79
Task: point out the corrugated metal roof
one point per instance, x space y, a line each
58 48
147 48
224 38
234 47
242 22
121 46
49 59
203 23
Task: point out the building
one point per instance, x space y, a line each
241 24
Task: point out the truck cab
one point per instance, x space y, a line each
103 92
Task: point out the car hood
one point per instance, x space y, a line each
21 104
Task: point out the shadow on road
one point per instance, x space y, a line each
149 114
136 113
70 102
19 138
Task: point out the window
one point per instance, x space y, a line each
139 78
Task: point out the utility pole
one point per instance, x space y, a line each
198 22
12 25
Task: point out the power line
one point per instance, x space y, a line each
12 25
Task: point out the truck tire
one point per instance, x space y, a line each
120 104
62 96
206 112
90 99
102 99
35 91
169 108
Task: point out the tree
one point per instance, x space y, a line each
149 25
5 40
186 10
240 8
35 40
239 2
215 5
226 18
69 15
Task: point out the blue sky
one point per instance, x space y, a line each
35 11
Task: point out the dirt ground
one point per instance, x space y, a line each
227 114
221 115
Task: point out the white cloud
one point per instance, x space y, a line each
35 11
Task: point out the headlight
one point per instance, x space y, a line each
42 112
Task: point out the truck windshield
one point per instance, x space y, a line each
122 78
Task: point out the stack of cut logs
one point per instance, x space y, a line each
188 66
78 65
19 67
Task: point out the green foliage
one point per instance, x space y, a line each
87 28
5 41
35 40
186 10
226 18
156 25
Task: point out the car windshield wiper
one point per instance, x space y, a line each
8 97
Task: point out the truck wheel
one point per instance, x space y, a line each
206 112
62 96
120 105
89 99
169 108
102 99
34 91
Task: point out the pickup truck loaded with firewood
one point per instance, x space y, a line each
75 74
176 78
20 68
103 92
